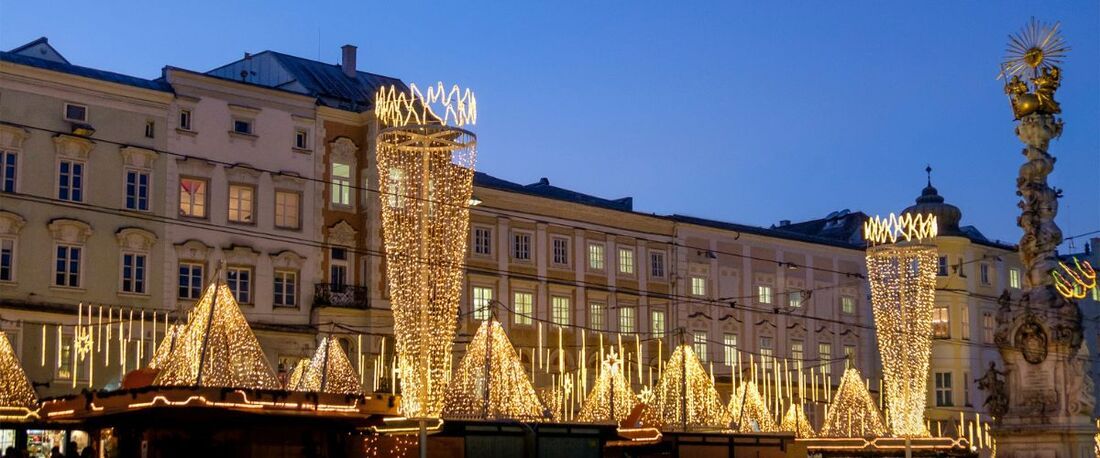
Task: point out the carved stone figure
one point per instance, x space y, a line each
993 383
1031 340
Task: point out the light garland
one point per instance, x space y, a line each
755 416
611 398
908 227
15 390
490 382
395 107
685 398
1083 278
427 180
903 294
329 371
853 412
294 380
167 344
217 348
795 421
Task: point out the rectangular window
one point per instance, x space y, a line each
764 294
797 350
74 112
850 355
67 266
657 264
242 126
698 286
561 251
239 280
965 322
596 313
185 119
626 261
190 280
137 190
729 348
983 273
133 273
988 327
521 246
8 162
657 322
595 256
483 241
794 299
150 129
943 390
1014 278
848 304
286 288
395 184
942 267
699 338
524 306
193 197
941 322
767 352
241 198
966 389
301 139
288 208
626 319
341 184
825 356
338 267
559 310
70 181
482 299
7 260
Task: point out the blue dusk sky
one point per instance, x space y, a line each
750 112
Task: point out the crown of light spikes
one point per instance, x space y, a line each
853 413
329 371
611 398
698 407
16 393
217 348
749 411
490 382
795 421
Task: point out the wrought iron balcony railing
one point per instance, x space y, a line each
336 295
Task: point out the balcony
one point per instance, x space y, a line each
336 295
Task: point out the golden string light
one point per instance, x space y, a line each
294 380
853 412
167 344
903 292
795 421
685 398
749 411
396 107
217 348
329 371
16 392
426 182
611 398
490 382
1083 278
909 227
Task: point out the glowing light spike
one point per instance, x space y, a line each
795 421
329 371
294 380
15 389
684 397
611 398
499 390
749 411
160 356
852 412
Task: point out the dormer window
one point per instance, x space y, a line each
76 113
242 126
301 139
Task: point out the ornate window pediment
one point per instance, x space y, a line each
140 158
342 234
12 137
193 250
242 173
70 230
240 255
287 259
11 223
135 238
343 150
73 147
288 180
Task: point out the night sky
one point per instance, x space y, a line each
750 113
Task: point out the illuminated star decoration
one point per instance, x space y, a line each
1083 278
167 344
329 371
853 412
611 400
795 421
1037 47
490 382
755 417
217 348
15 390
698 408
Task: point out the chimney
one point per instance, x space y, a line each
347 61
784 222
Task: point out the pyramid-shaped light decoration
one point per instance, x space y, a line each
749 411
167 344
16 394
795 421
901 268
294 380
426 159
685 398
490 382
611 399
217 348
853 412
553 398
329 371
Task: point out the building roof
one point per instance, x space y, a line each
543 188
805 234
20 56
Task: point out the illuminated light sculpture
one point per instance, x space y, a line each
611 399
295 377
17 396
795 421
853 412
329 371
217 348
685 398
1083 278
902 274
553 398
167 344
426 166
749 411
491 383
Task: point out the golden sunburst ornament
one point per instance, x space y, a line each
1036 47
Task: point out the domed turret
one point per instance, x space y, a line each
930 202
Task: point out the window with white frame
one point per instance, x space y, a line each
521 246
150 129
941 322
794 299
137 190
288 209
523 306
699 339
286 288
133 272
698 286
657 322
989 324
943 390
965 321
559 310
657 264
764 294
193 197
7 259
561 251
242 126
482 299
626 261
767 352
966 388
595 256
239 280
825 355
941 266
729 348
1014 278
483 240
301 138
848 304
70 180
627 319
185 119
983 273
9 161
596 313
76 112
241 201
395 184
338 267
849 355
341 184
190 280
67 266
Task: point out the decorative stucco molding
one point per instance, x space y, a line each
342 234
193 249
343 150
135 238
288 260
11 223
240 255
70 230
138 157
12 137
242 173
73 147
